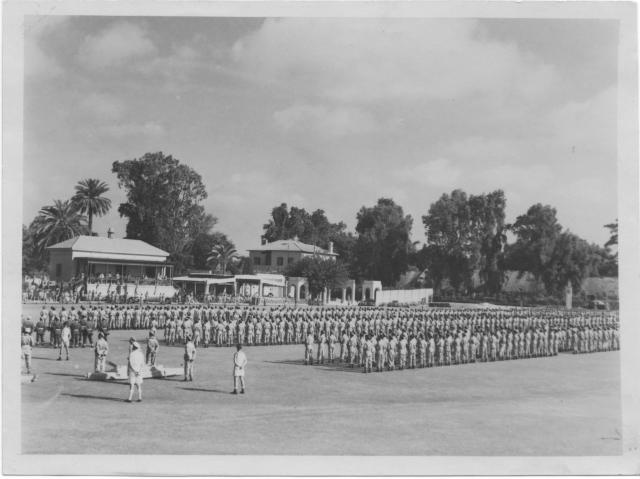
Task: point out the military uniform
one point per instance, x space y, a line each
189 359
101 351
152 349
26 343
308 350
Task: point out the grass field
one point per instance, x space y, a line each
565 405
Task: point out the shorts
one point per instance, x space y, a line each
135 379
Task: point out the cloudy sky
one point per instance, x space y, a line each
328 113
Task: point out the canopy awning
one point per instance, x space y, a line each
208 281
117 257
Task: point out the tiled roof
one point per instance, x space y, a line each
292 245
100 244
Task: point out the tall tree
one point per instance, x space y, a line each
537 233
571 261
163 204
89 200
383 245
276 228
449 248
613 231
33 258
466 235
487 215
58 222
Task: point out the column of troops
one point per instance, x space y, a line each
384 338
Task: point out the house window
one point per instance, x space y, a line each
267 260
58 270
256 260
289 260
280 260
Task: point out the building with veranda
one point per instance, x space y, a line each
101 264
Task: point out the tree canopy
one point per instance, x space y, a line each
537 232
613 231
554 256
466 234
383 245
88 199
312 228
58 222
163 204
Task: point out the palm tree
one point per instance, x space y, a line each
58 222
222 254
88 199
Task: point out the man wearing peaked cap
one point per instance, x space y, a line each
134 369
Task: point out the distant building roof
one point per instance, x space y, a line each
118 248
292 245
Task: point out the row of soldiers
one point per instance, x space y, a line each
400 351
226 326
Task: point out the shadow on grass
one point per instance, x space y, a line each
204 390
342 367
88 396
75 375
43 359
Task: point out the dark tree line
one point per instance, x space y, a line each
466 235
466 243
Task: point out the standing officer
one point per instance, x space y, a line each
321 345
308 351
189 358
40 332
26 344
152 349
64 341
101 351
134 370
239 363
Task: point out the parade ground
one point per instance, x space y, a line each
564 405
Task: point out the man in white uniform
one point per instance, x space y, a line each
239 363
134 370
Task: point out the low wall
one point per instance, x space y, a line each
404 295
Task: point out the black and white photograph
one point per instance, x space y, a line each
317 238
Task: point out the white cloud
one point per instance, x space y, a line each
115 45
102 106
588 126
440 172
323 121
38 64
123 130
369 60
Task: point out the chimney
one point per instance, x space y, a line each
263 240
295 238
330 246
109 233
